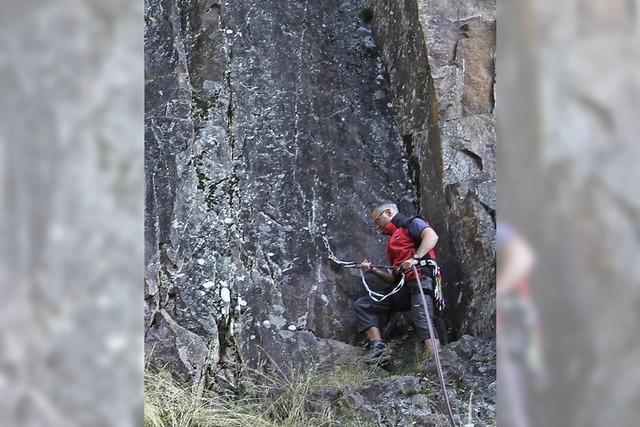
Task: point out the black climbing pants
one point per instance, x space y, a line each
370 313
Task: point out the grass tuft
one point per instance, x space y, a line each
275 399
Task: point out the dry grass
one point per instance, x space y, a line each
276 399
273 400
168 403
348 370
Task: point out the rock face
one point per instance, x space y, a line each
440 61
411 399
270 125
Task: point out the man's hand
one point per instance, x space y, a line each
365 266
406 266
384 275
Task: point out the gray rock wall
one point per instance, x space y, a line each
440 61
268 126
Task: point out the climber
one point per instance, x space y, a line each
411 239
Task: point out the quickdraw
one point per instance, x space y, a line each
438 294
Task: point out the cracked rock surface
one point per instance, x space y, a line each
404 397
268 127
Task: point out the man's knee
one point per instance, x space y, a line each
427 285
365 316
362 304
420 320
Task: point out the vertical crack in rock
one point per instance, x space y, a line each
413 166
452 123
300 53
228 347
298 88
230 113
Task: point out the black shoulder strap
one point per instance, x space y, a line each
403 221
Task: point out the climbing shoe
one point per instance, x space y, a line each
378 353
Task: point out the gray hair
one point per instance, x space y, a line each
381 207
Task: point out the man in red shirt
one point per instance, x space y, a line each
411 239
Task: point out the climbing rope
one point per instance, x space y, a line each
376 296
434 347
349 264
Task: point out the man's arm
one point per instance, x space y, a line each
515 263
428 242
385 276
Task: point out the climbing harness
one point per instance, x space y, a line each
437 279
436 354
376 296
